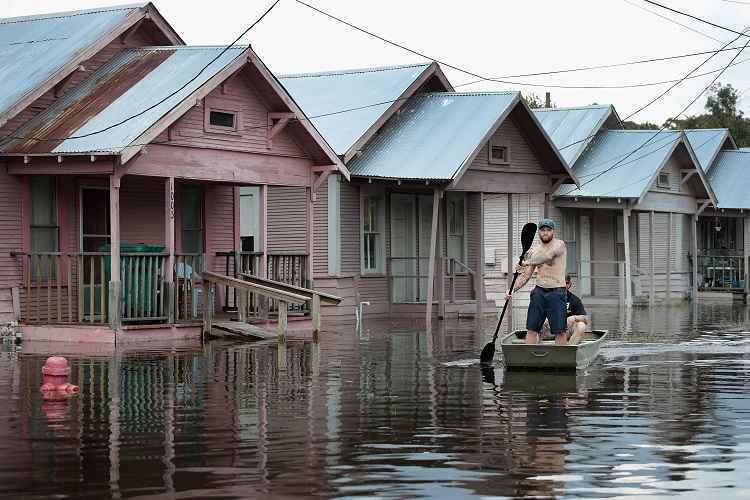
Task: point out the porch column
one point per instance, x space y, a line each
263 272
442 231
652 278
694 251
431 266
479 270
169 211
626 239
115 285
669 258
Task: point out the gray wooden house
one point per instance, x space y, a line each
629 227
433 172
723 228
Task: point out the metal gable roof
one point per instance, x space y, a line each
602 176
33 48
572 129
730 179
432 135
372 89
706 143
138 78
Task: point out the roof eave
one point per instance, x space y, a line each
148 11
568 167
433 69
297 110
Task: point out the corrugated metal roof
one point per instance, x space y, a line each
730 178
706 143
629 178
140 78
574 126
432 135
372 89
33 48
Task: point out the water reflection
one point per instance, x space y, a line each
391 411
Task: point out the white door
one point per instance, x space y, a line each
585 249
403 247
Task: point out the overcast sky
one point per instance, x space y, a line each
490 38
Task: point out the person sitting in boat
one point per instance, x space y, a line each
576 315
547 300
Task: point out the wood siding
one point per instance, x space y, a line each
287 219
320 232
11 238
238 94
350 230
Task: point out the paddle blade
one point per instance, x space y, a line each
488 352
527 236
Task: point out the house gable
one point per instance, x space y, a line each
137 27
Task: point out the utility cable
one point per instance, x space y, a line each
696 18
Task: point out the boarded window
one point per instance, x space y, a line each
191 218
373 217
44 228
222 119
456 226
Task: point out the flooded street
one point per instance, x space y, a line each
391 412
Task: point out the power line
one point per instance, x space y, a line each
669 19
140 113
665 125
699 19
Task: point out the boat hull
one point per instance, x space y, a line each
547 355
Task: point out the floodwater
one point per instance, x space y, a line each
391 412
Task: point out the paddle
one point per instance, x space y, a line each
527 238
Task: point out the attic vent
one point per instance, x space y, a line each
499 153
221 119
663 180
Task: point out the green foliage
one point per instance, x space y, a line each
721 112
631 125
534 101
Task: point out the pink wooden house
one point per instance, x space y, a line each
164 161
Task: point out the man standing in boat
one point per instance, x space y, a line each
548 298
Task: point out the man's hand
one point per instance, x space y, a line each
508 294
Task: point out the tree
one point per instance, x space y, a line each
631 125
534 101
721 112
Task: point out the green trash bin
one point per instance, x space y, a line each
138 286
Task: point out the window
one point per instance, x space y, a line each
456 226
221 119
44 228
191 219
663 180
499 153
373 217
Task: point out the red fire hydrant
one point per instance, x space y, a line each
55 378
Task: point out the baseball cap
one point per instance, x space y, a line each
547 223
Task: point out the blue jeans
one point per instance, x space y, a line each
547 303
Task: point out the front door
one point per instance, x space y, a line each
411 219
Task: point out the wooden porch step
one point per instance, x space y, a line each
237 329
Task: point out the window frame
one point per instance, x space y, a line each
494 142
42 276
221 106
365 195
665 184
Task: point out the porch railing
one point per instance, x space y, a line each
188 283
69 288
721 272
411 275
290 268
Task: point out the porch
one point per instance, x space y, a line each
722 252
105 262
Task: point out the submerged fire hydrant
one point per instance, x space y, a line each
55 379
